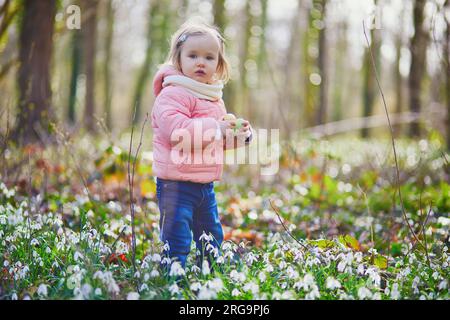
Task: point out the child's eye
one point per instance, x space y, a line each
210 58
193 56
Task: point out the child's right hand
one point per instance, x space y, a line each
225 125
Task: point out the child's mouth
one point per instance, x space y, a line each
200 73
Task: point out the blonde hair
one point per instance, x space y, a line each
195 28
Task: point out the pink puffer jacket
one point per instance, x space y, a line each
176 108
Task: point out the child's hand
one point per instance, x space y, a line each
241 127
225 125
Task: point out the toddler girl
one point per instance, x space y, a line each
189 137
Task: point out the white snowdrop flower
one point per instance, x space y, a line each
42 290
374 276
313 294
443 285
287 295
77 256
360 269
364 293
282 264
269 268
26 297
174 289
226 246
341 265
229 255
332 283
154 273
205 268
251 287
98 275
34 242
166 260
251 257
276 295
209 247
395 294
422 297
176 269
195 286
220 260
48 250
166 246
98 291
14 296
206 294
298 256
298 285
5 263
144 287
216 284
144 265
133 296
137 274
204 237
262 276
435 275
376 296
146 276
86 290
195 269
387 291
156 257
291 273
237 276
308 279
235 292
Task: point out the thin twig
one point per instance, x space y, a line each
392 137
285 228
131 184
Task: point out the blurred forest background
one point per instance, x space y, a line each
296 64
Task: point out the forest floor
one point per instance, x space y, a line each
328 225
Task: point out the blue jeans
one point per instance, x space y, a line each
185 208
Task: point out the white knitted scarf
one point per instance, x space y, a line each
212 92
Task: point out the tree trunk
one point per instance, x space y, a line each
89 30
145 70
322 60
243 56
418 59
220 20
369 89
107 62
307 70
340 66
447 60
398 78
76 66
35 41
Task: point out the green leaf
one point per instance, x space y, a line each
323 243
350 242
380 261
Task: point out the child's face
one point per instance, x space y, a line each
200 57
